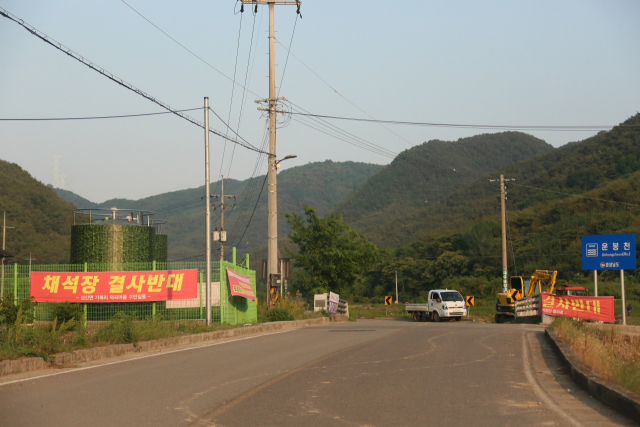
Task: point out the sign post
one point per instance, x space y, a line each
387 301
470 302
610 252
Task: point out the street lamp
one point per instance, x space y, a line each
291 156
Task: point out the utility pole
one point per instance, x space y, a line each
4 232
207 225
503 215
272 265
30 259
396 287
222 235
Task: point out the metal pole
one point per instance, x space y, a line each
272 200
595 282
624 306
208 207
396 287
222 220
503 212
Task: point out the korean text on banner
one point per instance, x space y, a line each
115 286
240 285
594 308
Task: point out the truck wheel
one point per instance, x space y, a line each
436 317
458 318
499 318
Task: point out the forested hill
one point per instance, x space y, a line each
573 168
321 184
587 187
424 174
42 220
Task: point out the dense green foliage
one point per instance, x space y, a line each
428 173
42 220
460 242
331 255
321 184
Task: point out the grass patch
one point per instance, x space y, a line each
287 308
378 310
21 340
609 354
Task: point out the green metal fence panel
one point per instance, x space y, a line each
17 282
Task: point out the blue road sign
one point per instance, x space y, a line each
609 252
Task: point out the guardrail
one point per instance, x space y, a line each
528 307
343 308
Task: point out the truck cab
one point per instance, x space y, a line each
446 304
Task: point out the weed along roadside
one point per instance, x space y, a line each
168 334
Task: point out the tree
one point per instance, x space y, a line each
332 255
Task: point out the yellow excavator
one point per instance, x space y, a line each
520 287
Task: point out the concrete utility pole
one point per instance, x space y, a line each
4 232
396 287
222 236
503 215
207 225
272 264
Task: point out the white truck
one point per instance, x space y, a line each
441 304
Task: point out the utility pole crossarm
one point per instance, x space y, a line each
289 2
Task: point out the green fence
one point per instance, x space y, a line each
225 308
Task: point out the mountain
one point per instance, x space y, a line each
321 184
427 173
42 220
582 188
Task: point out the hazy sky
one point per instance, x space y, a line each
479 62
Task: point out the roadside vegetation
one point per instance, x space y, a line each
288 308
19 337
609 354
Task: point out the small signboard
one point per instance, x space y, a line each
240 285
388 300
609 252
470 301
332 304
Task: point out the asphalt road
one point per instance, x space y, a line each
367 373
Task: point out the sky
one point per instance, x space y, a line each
543 63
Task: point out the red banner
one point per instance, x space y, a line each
240 285
115 286
594 308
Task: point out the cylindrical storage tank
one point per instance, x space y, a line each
160 254
112 243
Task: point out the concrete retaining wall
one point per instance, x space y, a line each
607 392
8 367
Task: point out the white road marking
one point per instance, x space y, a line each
539 390
160 353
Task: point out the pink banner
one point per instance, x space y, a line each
115 286
240 285
594 308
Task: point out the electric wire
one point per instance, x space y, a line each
101 117
244 92
586 128
233 88
577 195
343 97
288 53
112 77
184 47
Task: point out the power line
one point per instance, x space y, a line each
112 77
577 195
254 211
102 117
471 126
